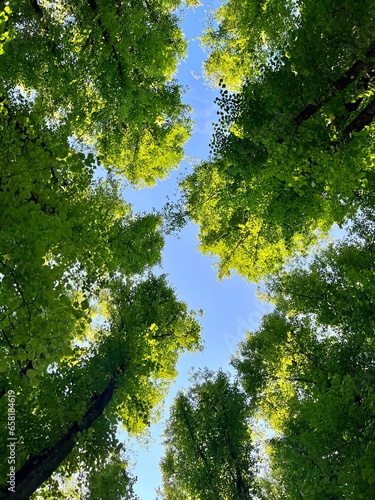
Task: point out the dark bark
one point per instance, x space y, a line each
38 11
240 486
243 490
362 120
40 467
353 106
347 78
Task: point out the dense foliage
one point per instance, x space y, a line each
118 374
308 375
89 338
309 371
292 153
209 453
101 72
293 148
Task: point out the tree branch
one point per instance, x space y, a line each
362 120
38 11
339 85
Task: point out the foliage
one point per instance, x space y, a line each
102 72
88 337
292 152
245 39
121 377
308 370
108 479
209 454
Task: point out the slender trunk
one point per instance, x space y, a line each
242 492
40 467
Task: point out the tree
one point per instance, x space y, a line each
316 394
308 370
68 234
102 72
107 479
292 152
88 338
247 38
66 239
209 454
119 378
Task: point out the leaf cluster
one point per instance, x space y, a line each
292 150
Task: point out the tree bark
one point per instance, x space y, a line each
339 85
38 11
364 118
40 467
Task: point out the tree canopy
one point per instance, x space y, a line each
308 376
308 371
119 378
89 337
102 73
208 445
90 333
292 152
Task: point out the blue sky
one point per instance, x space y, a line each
230 307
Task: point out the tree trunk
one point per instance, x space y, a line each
40 467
